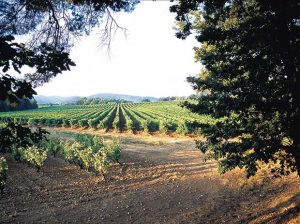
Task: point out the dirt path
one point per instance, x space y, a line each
166 183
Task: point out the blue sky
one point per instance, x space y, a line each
148 61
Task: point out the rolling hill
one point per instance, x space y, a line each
65 100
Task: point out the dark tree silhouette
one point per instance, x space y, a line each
250 83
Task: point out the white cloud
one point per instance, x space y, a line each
149 61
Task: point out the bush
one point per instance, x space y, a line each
31 122
83 123
65 123
101 125
98 143
145 125
183 128
113 152
129 125
35 156
3 173
71 152
57 122
163 126
17 153
43 121
74 123
86 158
48 122
100 163
54 146
89 152
92 123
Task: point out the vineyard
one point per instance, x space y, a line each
163 117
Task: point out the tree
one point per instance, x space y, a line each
250 83
52 26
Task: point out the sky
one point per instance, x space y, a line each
148 61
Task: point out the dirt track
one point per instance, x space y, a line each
164 183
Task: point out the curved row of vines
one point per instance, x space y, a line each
163 117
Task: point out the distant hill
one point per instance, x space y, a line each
56 99
122 97
73 99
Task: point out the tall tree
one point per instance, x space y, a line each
250 82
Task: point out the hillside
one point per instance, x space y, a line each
55 99
123 97
64 100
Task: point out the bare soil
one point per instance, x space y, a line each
163 180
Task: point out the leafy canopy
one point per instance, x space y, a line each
250 51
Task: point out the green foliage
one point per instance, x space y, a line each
3 173
71 152
183 128
14 136
100 163
34 156
66 123
74 123
128 122
98 100
113 152
132 117
21 104
17 153
98 143
86 157
250 51
116 121
83 123
53 145
89 152
163 126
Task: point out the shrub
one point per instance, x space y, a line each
163 126
98 143
183 128
3 173
101 125
35 156
31 121
86 157
100 163
65 123
129 125
53 145
74 123
17 153
113 152
92 123
83 123
71 153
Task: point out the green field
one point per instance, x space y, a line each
164 117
